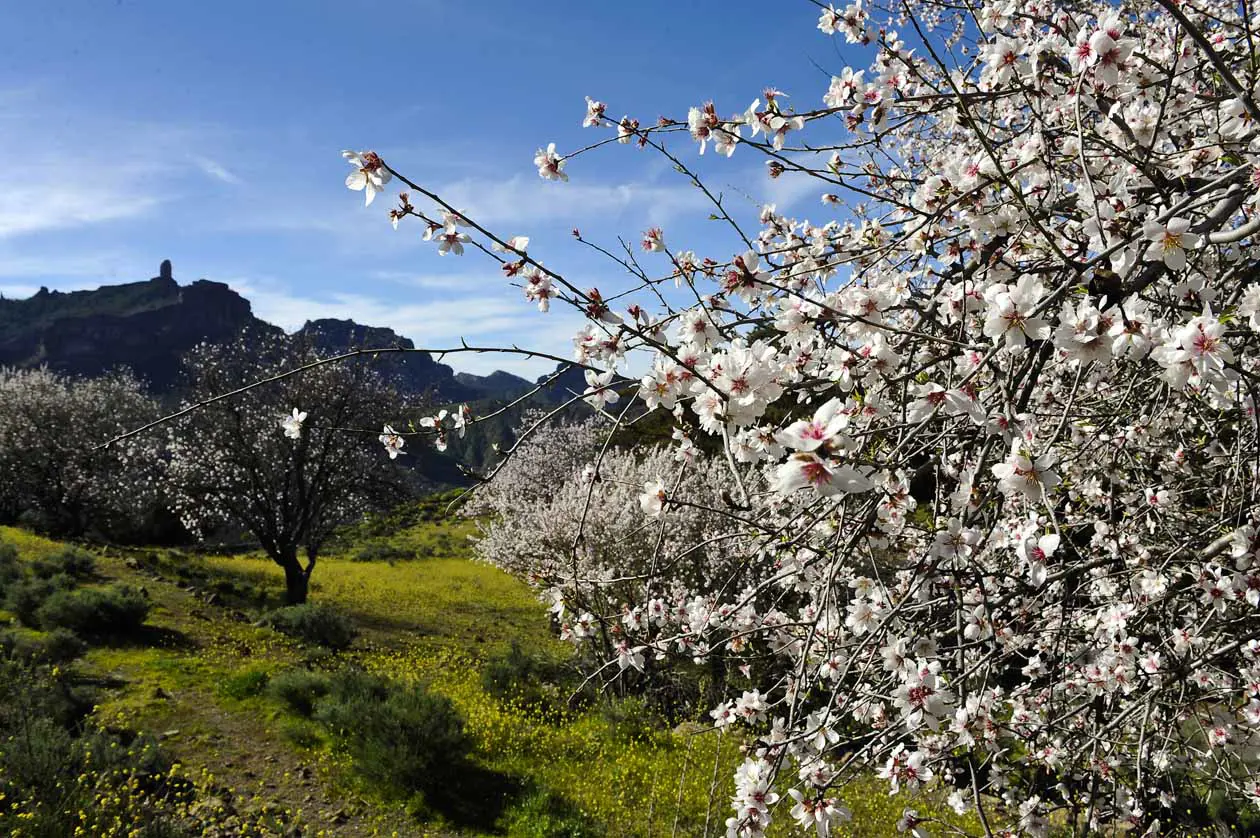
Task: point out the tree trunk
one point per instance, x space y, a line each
296 581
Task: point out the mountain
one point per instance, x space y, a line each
496 385
145 326
416 372
148 326
564 383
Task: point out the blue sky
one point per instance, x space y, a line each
210 133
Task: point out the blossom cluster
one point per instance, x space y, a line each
987 431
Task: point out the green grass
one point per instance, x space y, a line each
434 620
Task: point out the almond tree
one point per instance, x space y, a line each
53 475
285 462
1034 295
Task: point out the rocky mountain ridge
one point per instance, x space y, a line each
148 326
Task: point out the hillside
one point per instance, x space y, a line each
215 687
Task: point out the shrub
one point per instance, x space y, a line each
542 814
631 719
350 685
34 751
25 597
61 777
509 674
61 646
18 644
10 570
314 623
301 733
73 562
245 684
28 691
402 741
55 647
116 611
528 679
384 553
299 689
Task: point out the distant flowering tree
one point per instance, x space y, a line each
590 526
287 462
50 478
990 429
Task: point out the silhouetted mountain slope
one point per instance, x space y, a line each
415 372
145 326
496 385
148 326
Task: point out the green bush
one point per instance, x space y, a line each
299 689
73 562
10 570
20 644
61 646
302 733
55 647
519 676
402 742
29 691
245 684
314 623
384 553
503 675
116 611
26 596
59 776
544 815
631 718
351 685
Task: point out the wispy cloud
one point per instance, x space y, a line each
52 179
450 282
72 271
35 199
523 200
792 191
215 170
444 322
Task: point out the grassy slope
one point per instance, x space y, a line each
435 620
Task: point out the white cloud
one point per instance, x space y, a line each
17 292
20 291
442 323
792 188
472 280
87 269
525 200
104 168
215 170
65 195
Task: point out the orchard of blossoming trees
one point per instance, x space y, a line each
1034 298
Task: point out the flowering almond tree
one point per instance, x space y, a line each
50 479
288 463
989 429
563 486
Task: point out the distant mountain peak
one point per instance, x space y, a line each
147 326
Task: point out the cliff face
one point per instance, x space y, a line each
145 326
